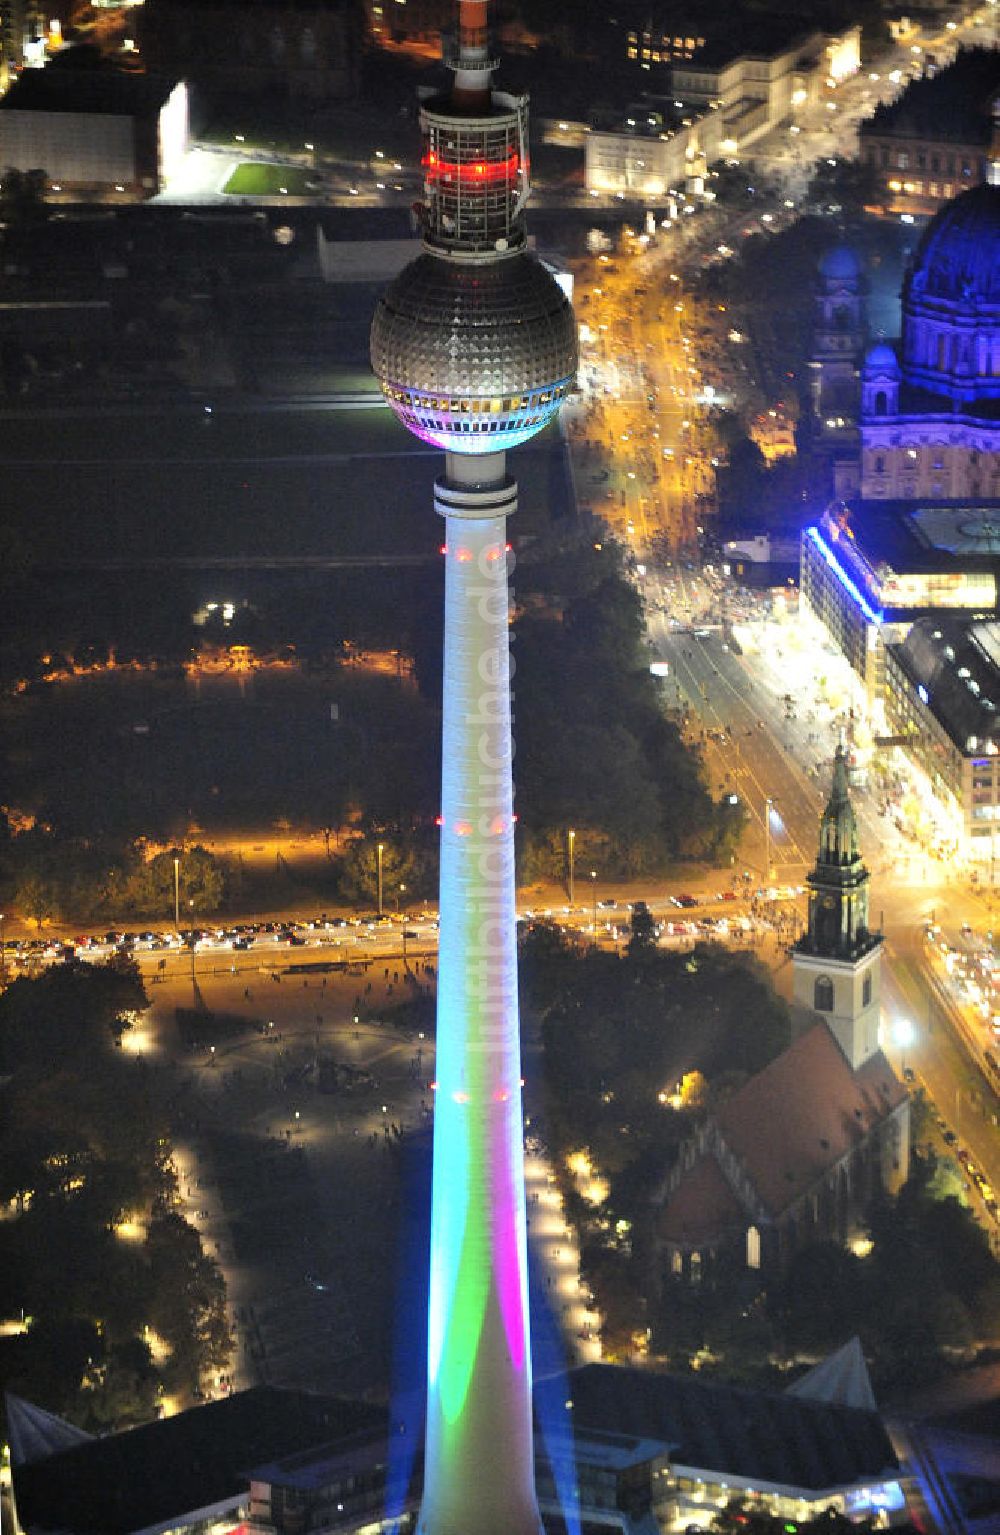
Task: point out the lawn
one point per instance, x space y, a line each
253 179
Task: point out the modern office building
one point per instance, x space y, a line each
625 1452
94 131
97 133
938 138
942 697
868 570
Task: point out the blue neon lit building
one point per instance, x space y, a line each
869 570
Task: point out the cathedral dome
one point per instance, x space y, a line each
881 358
959 255
839 264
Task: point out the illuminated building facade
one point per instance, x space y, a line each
930 418
896 573
97 132
474 345
838 335
869 570
727 93
936 139
22 23
942 697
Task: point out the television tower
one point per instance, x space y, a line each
474 346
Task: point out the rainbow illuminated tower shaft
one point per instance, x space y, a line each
474 346
479 1466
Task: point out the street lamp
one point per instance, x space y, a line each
593 886
177 892
571 845
379 850
904 1035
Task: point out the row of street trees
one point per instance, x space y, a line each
52 878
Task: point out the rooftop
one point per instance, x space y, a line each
759 36
953 106
151 1475
78 80
803 1113
957 664
759 1437
923 537
702 1205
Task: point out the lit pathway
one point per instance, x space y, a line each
557 1259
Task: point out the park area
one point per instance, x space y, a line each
262 179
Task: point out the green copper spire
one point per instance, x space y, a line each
838 843
838 885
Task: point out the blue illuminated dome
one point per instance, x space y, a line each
959 255
881 358
474 358
951 302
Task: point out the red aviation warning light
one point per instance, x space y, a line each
479 172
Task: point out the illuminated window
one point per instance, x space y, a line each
753 1248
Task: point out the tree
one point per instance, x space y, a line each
643 929
35 899
201 881
406 871
846 187
820 1301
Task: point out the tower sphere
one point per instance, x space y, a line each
474 357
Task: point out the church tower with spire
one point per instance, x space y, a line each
837 963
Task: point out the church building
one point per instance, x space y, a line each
799 1153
